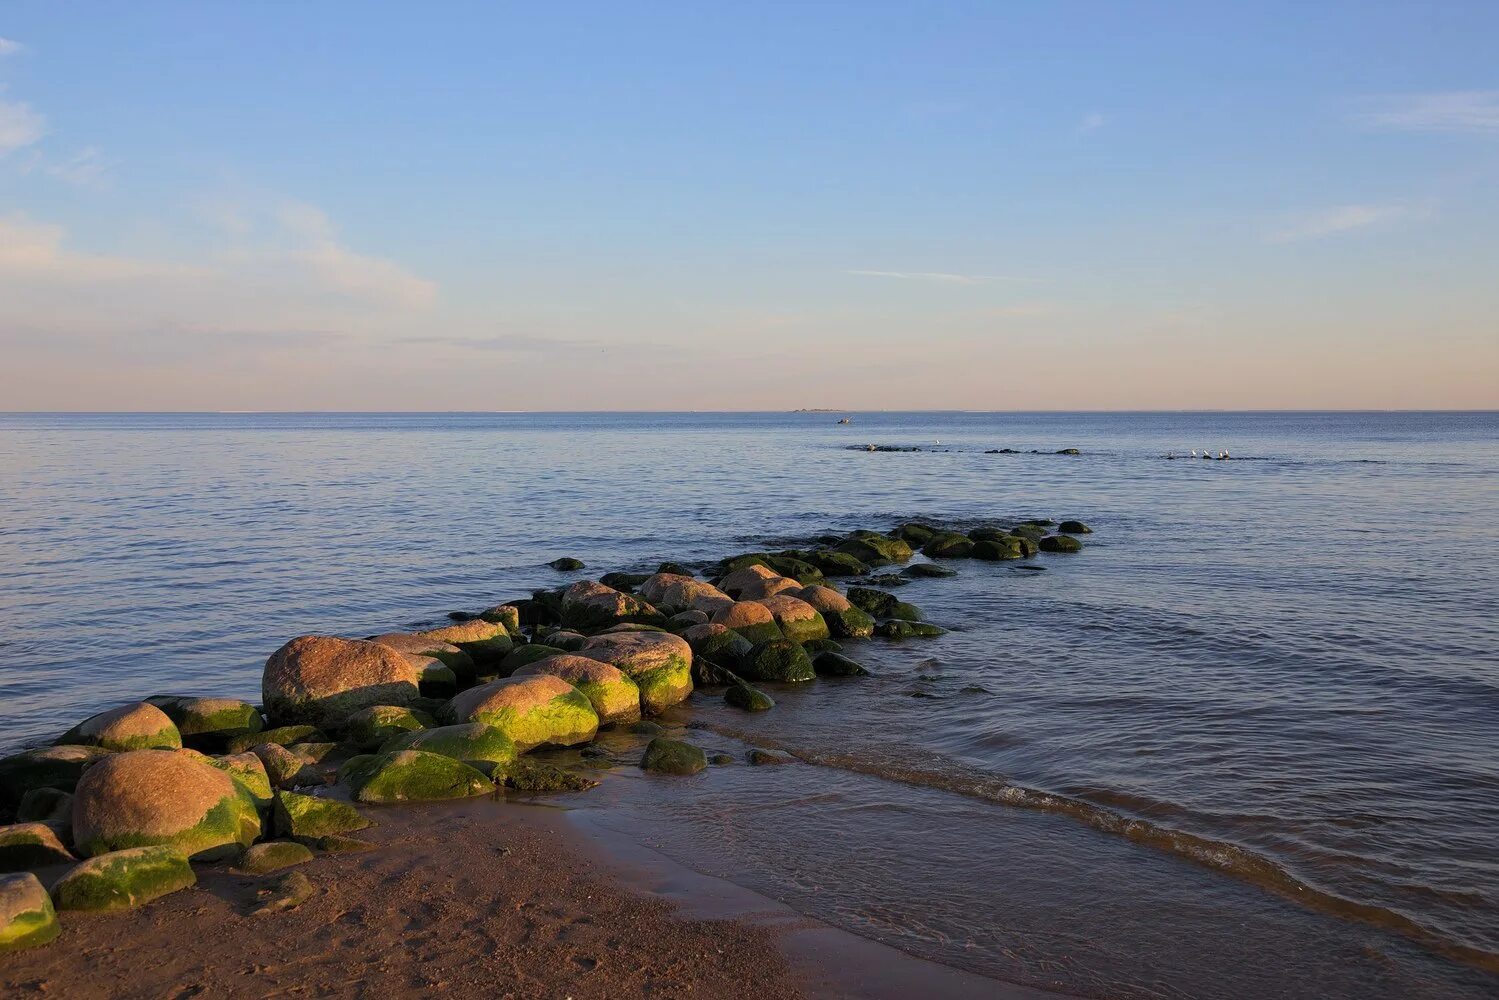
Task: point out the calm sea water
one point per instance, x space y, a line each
1244 744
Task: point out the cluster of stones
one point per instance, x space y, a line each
129 797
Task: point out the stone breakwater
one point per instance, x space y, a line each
122 805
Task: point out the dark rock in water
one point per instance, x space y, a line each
1074 528
887 580
647 728
796 568
927 569
896 628
666 756
1008 547
1068 451
1040 522
777 660
831 664
735 563
837 563
948 546
527 775
875 549
882 605
748 698
566 564
1060 543
1033 532
763 758
881 447
1033 569
720 760
823 645
675 568
988 534
914 534
461 616
625 581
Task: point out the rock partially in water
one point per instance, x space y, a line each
882 604
751 699
779 660
764 758
321 680
896 628
1060 543
799 621
833 563
120 880
1074 528
668 756
832 664
751 620
27 919
927 569
566 564
136 726
486 642
995 550
842 618
527 775
949 545
914 533
874 549
659 663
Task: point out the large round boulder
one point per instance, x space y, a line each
589 604
875 549
799 621
533 711
412 776
751 620
653 588
694 595
209 722
843 619
420 650
614 696
27 918
659 663
157 797
735 583
482 746
319 679
485 641
779 660
136 726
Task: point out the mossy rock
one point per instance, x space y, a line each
800 570
487 642
369 727
751 620
57 767
1034 532
207 723
566 640
437 680
281 736
767 758
996 550
684 620
948 546
413 776
850 623
527 654
779 660
308 817
834 563
822 645
507 615
876 550
527 775
660 664
273 855
482 747
897 628
177 799
751 699
914 534
250 771
988 534
735 563
420 650
121 880
928 570
882 604
1028 547
318 679
625 582
668 756
676 569
282 767
338 844
136 726
832 664
27 919
533 710
1060 543
613 694
717 643
798 620
566 564
24 846
591 605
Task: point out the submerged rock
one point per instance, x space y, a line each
157 797
1074 528
533 711
318 680
763 758
613 694
927 569
123 879
751 699
837 665
779 660
137 726
566 564
667 756
412 776
527 775
27 918
307 817
30 845
882 604
273 855
1060 543
896 628
659 663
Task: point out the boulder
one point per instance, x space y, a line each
369 727
207 723
57 767
51 806
614 696
694 595
914 534
996 549
1060 543
527 775
137 726
273 855
421 650
715 649
823 645
485 641
529 653
927 569
280 736
588 604
751 699
123 879
882 604
412 776
764 758
666 756
483 747
836 563
627 582
507 615
437 680
318 679
736 582
282 767
249 771
761 589
659 663
533 711
796 568
798 620
843 619
30 845
684 620
566 564
830 664
307 817
27 918
566 640
1034 532
896 628
653 588
751 620
157 797
949 545
875 549
778 660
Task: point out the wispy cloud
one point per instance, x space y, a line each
940 277
1472 112
343 269
8 47
19 125
1091 122
1341 219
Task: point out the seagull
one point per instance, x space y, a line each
1194 452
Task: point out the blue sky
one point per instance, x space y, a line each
379 206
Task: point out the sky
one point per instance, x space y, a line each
604 206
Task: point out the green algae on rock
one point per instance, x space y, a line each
898 628
996 549
750 619
614 695
527 775
273 855
206 723
833 563
57 767
280 736
659 663
799 621
831 664
412 776
159 797
668 756
507 615
566 564
281 765
842 618
250 771
875 549
590 604
1060 543
317 679
750 699
481 746
525 654
533 711
948 545
420 650
30 845
779 660
882 604
136 726
927 569
120 880
309 817
369 727
485 641
27 918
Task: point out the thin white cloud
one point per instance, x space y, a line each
1091 122
1340 219
940 277
349 272
1471 112
19 126
9 47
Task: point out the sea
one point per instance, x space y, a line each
1245 743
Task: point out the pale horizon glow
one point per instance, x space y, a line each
872 207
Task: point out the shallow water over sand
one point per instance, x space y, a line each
1264 680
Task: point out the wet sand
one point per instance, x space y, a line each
482 898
